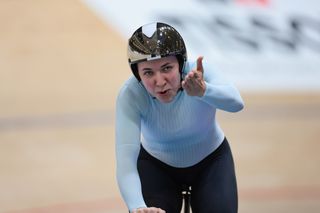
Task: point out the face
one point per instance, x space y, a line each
161 77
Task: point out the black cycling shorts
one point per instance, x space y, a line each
213 182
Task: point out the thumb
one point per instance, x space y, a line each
199 64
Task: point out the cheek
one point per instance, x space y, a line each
176 81
148 85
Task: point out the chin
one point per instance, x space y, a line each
165 101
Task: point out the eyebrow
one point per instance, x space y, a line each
164 65
146 69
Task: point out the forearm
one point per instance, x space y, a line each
223 96
128 177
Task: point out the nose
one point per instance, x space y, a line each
160 80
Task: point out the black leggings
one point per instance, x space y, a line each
213 182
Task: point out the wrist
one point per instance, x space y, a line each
203 91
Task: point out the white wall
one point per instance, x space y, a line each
261 45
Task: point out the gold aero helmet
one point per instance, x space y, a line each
154 41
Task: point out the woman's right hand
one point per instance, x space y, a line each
148 210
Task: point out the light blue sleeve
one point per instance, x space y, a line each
127 149
219 93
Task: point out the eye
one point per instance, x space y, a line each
167 68
148 73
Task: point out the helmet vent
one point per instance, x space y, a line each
149 29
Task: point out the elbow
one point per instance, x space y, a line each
237 103
240 106
237 106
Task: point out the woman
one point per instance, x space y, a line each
167 135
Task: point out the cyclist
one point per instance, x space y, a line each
167 135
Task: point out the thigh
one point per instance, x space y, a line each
215 190
158 188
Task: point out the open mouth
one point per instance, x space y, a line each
163 92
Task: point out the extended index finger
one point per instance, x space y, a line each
199 64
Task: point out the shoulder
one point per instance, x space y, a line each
132 92
211 71
131 87
191 64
